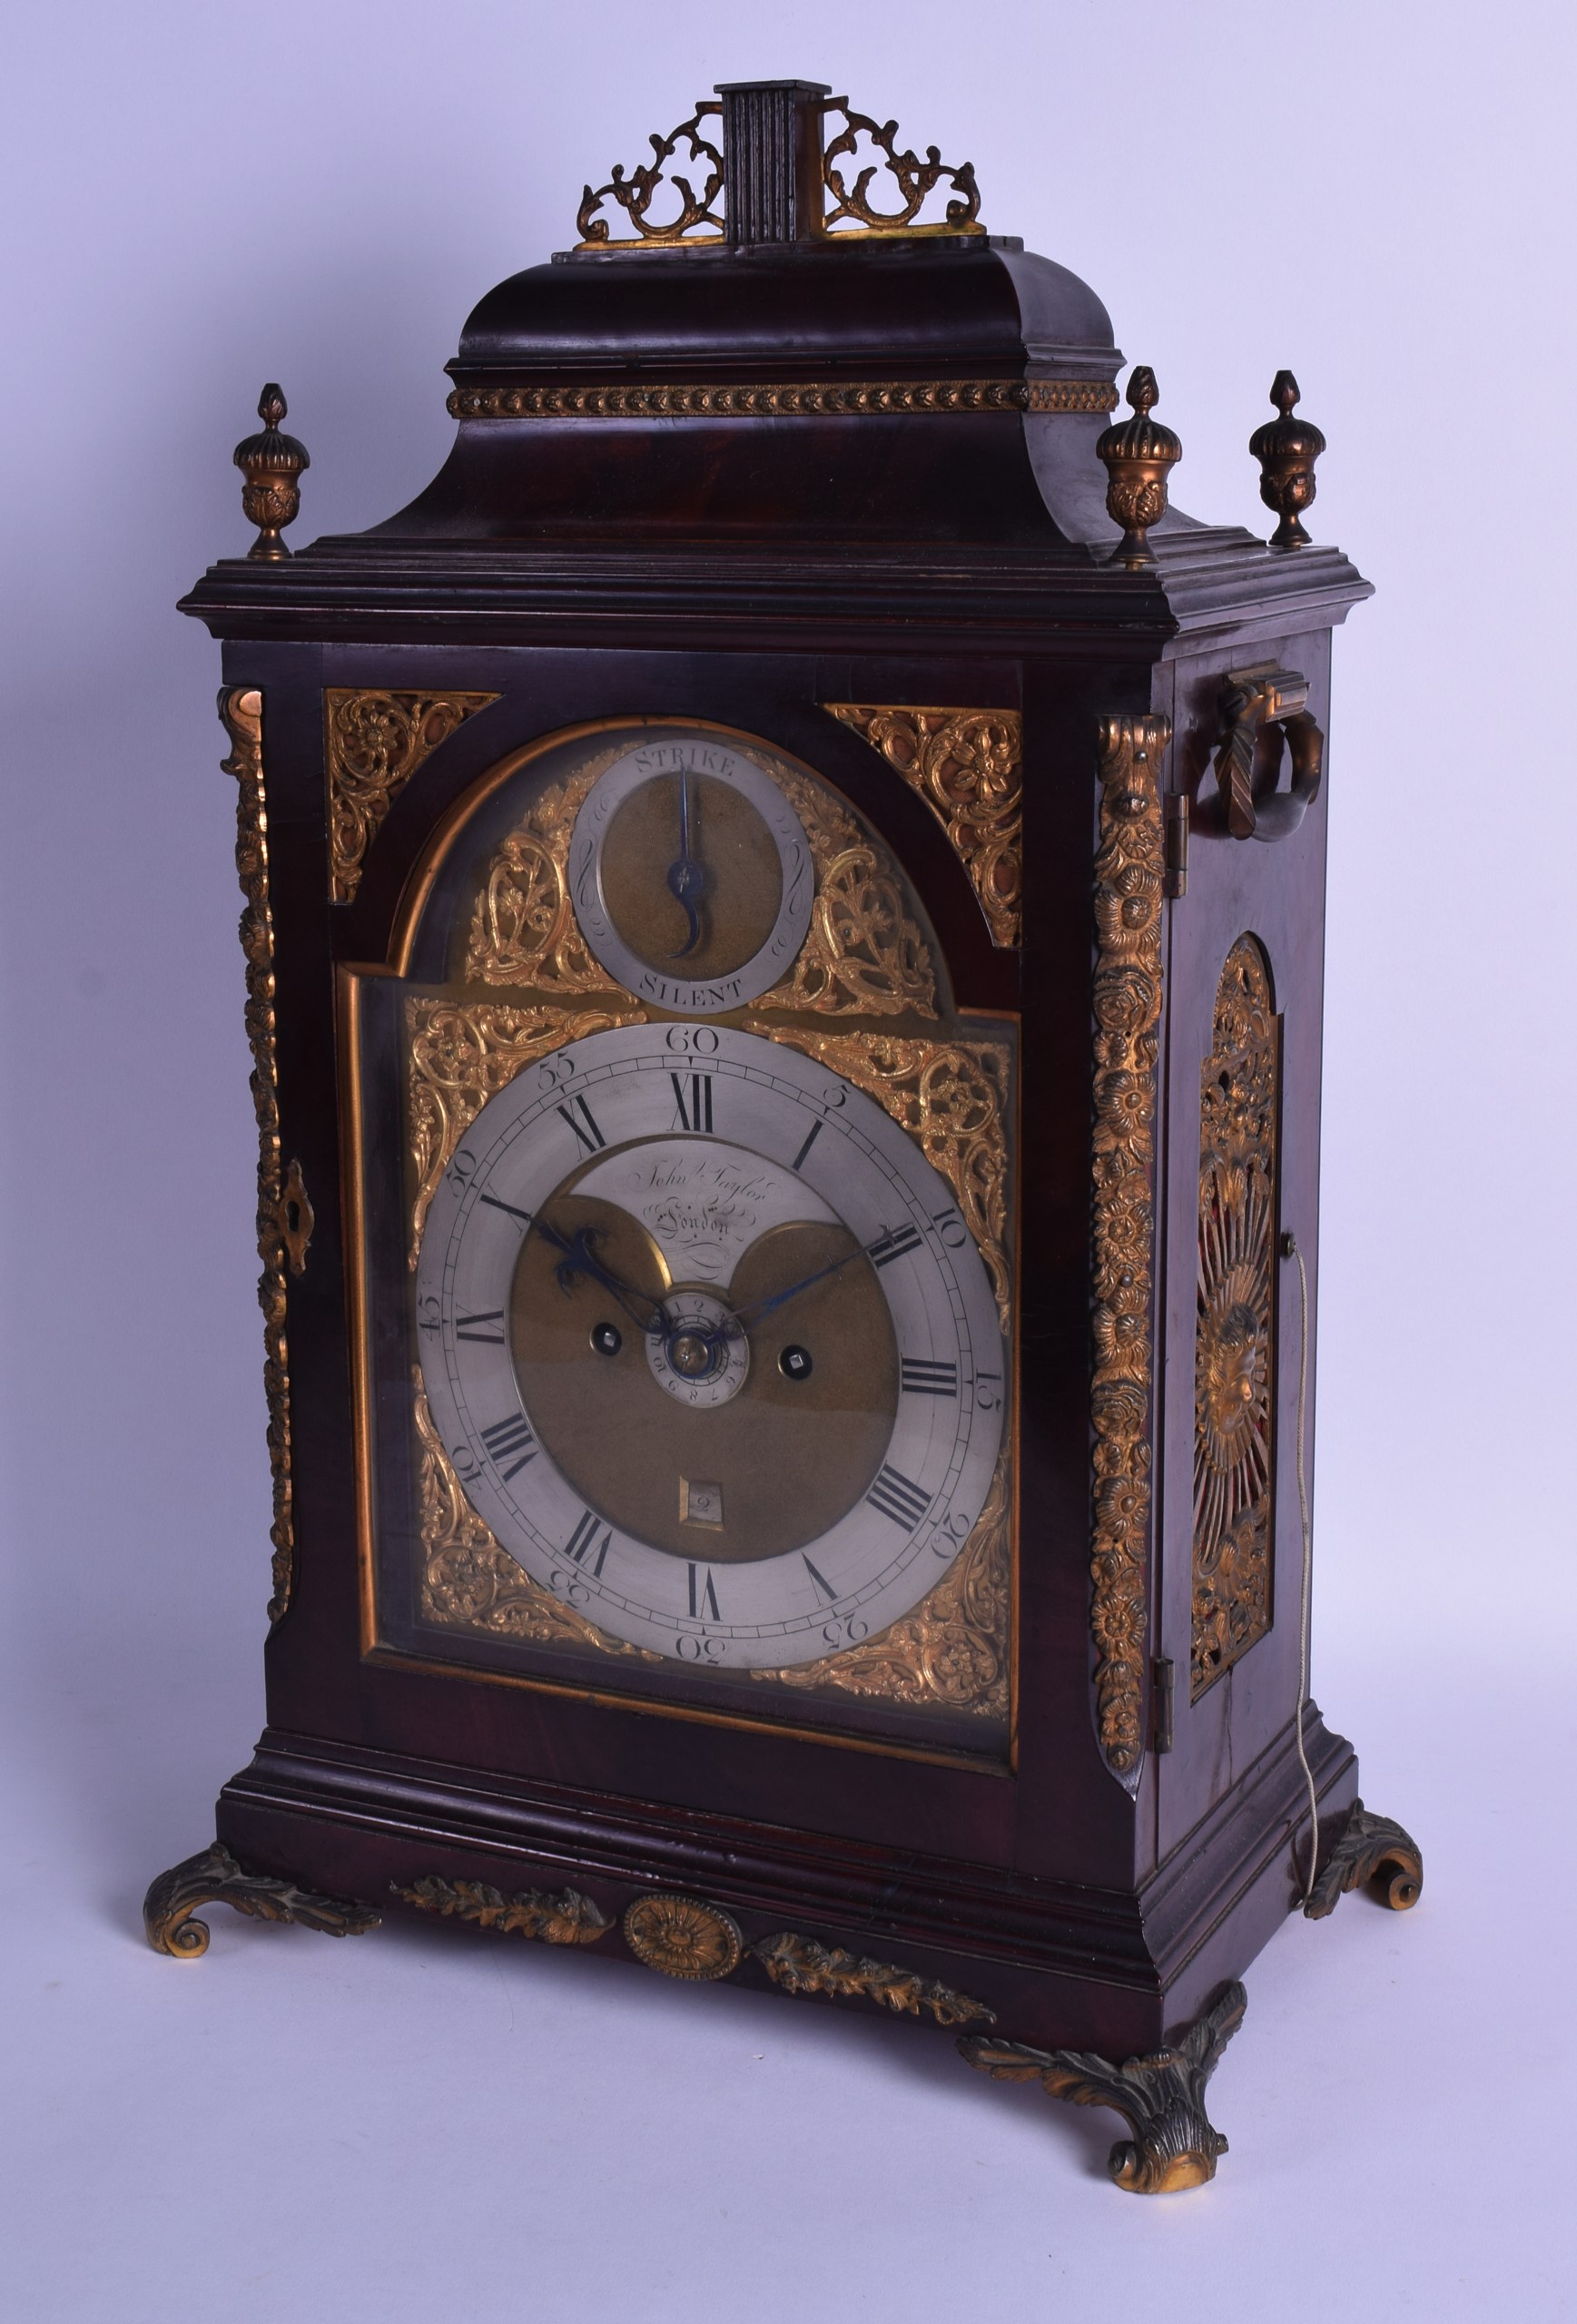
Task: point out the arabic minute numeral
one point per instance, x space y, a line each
920 1377
428 1314
950 1231
487 1329
988 1392
584 1540
507 1438
899 1497
581 1121
892 1245
695 1102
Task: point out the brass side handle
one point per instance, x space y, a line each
1265 700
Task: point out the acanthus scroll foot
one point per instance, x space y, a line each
1369 1846
214 1878
1162 2097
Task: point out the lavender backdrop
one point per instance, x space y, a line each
210 195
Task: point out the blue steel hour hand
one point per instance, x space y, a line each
688 875
581 1258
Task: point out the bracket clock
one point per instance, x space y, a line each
784 927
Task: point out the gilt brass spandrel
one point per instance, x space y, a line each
468 1582
1129 870
374 741
241 710
951 1653
522 929
968 767
462 1053
1234 1351
864 954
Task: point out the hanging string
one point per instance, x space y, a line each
1289 1250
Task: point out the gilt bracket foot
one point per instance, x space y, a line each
1371 1848
214 1878
1162 2097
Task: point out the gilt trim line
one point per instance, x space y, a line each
1126 1006
806 399
241 708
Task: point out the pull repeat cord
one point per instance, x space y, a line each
1289 1250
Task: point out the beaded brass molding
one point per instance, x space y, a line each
679 1936
800 1965
1162 2097
214 1878
1128 869
788 400
547 1915
374 742
862 955
968 766
468 1582
463 1053
241 708
1234 1382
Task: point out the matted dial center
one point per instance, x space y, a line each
702 1359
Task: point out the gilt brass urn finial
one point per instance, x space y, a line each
270 464
1138 453
1287 450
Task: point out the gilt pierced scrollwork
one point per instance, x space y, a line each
241 710
374 742
1128 869
968 767
913 180
523 930
463 1053
800 1965
1234 1387
635 194
863 955
468 1582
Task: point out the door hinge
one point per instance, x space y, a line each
1161 1704
1175 861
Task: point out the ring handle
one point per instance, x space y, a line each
1253 702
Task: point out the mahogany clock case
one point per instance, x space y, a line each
585 563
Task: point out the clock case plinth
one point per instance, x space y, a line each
906 509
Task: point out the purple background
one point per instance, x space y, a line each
211 196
